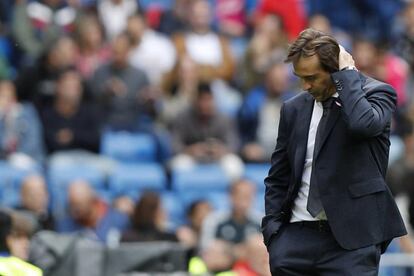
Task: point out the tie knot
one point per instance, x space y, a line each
328 102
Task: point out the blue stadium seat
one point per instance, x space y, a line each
129 147
201 178
219 200
10 181
130 179
259 205
59 178
257 173
174 208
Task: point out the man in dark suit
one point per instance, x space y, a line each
328 209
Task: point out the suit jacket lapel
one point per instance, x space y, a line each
302 131
333 117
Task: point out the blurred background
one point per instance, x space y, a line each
135 135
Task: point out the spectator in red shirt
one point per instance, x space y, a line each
291 11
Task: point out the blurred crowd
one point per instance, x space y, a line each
204 80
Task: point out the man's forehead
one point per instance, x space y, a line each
307 65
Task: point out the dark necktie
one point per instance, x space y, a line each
314 205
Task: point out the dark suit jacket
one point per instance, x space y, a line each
350 165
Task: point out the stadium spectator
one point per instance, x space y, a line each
268 36
6 53
89 214
4 68
401 172
256 262
292 13
212 54
34 199
20 130
14 246
21 231
233 17
114 14
93 51
36 24
202 135
183 91
70 124
190 234
37 83
148 221
259 114
405 42
5 7
369 17
146 47
321 23
118 86
124 204
209 50
375 60
399 179
216 259
237 224
175 19
404 45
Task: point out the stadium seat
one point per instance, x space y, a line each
59 178
200 178
10 181
257 173
259 205
174 208
129 147
130 179
219 200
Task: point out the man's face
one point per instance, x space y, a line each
120 52
135 28
242 197
314 78
69 87
200 15
205 105
277 80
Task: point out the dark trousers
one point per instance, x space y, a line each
302 249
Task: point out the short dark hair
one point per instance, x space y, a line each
312 42
203 88
194 205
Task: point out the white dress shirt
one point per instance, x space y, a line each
299 211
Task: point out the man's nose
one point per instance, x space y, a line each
306 86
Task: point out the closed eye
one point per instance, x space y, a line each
309 78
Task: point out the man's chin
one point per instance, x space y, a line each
317 97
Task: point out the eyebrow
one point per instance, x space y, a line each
308 76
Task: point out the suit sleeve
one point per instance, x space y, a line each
277 181
369 112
